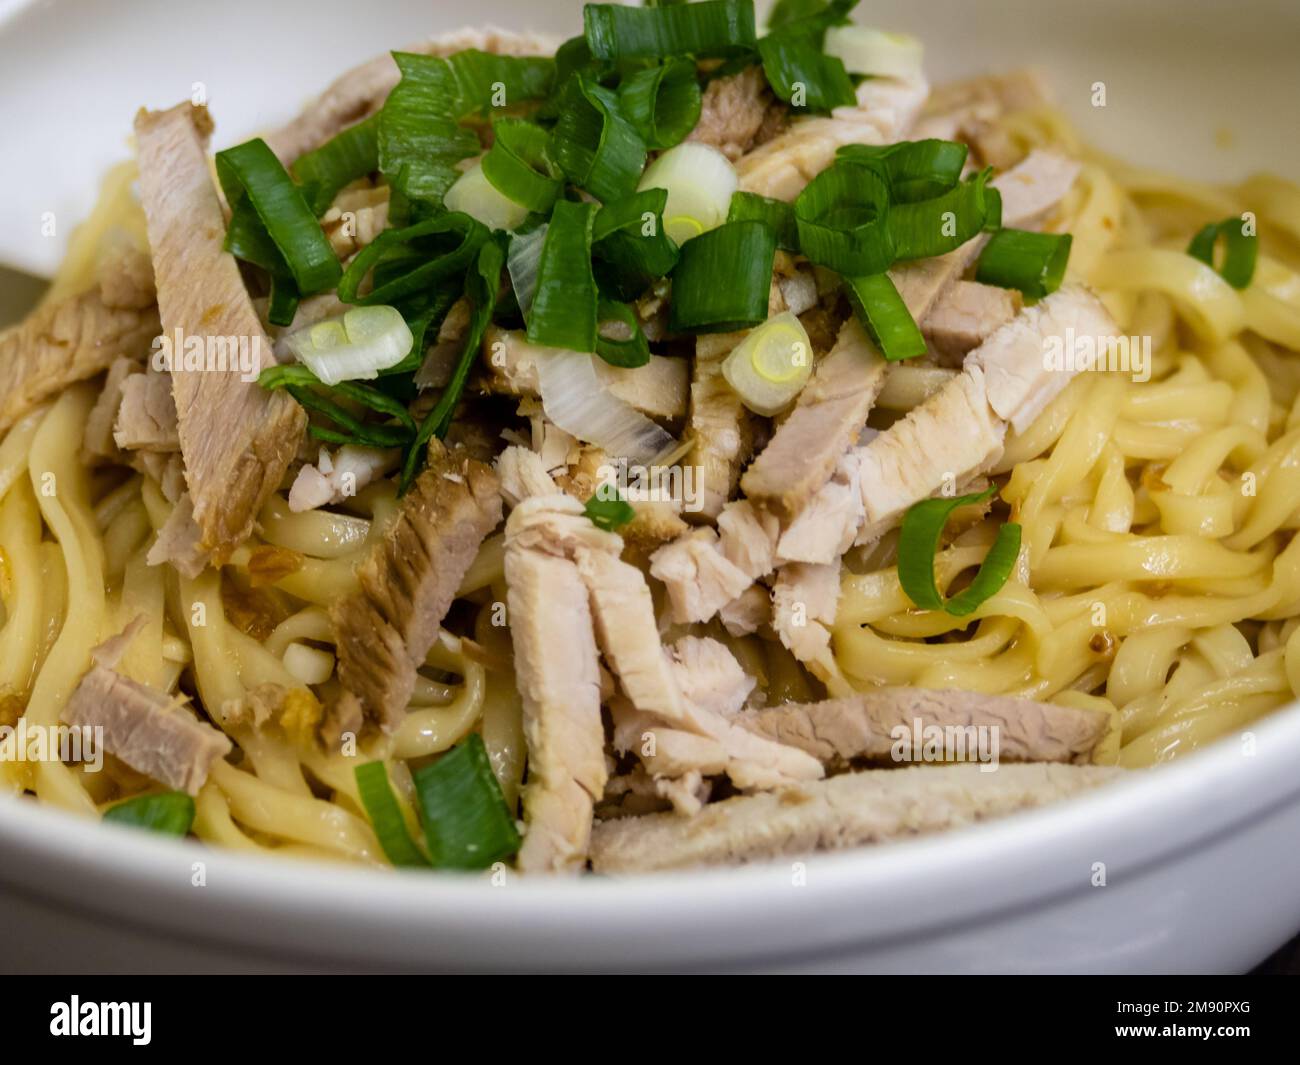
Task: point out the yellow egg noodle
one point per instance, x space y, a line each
1159 577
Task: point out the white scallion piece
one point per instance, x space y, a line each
769 368
577 401
883 55
354 346
700 181
477 197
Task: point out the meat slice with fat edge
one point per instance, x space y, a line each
406 584
237 439
862 725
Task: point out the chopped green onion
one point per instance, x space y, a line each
812 18
1034 263
700 181
474 195
251 171
918 543
283 304
574 57
352 430
1241 250
519 164
722 280
482 284
803 75
354 346
630 246
410 261
420 138
485 80
943 223
594 144
563 311
287 375
341 160
467 823
608 510
915 170
710 28
786 12
386 816
770 367
777 215
663 102
881 55
843 219
170 813
885 316
630 352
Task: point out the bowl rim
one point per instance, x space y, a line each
1022 860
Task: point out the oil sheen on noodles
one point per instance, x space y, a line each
1176 601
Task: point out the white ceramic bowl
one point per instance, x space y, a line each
1200 858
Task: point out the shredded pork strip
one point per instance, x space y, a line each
845 811
406 585
237 439
863 725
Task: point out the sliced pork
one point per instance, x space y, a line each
1013 358
97 443
845 811
781 168
237 439
149 730
338 476
719 422
146 418
862 726
940 445
384 630
734 110
558 674
699 578
62 343
829 415
966 315
804 601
